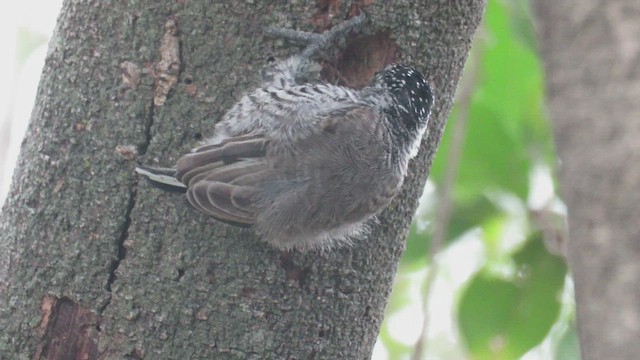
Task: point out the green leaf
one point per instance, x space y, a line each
484 315
504 318
466 216
506 128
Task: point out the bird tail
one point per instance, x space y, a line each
162 178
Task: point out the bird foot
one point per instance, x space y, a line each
315 42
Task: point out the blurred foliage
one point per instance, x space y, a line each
512 301
504 318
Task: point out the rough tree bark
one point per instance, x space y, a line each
95 264
591 51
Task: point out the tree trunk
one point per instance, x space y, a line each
95 264
591 51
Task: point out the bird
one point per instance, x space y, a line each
306 165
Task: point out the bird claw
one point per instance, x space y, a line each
313 41
301 38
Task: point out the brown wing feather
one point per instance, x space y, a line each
227 154
211 174
225 141
214 200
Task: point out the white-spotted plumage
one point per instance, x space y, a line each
306 165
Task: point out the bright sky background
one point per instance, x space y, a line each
20 80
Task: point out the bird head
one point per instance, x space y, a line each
411 93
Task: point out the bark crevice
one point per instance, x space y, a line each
148 136
121 249
166 73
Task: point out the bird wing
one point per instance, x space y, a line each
236 180
221 179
